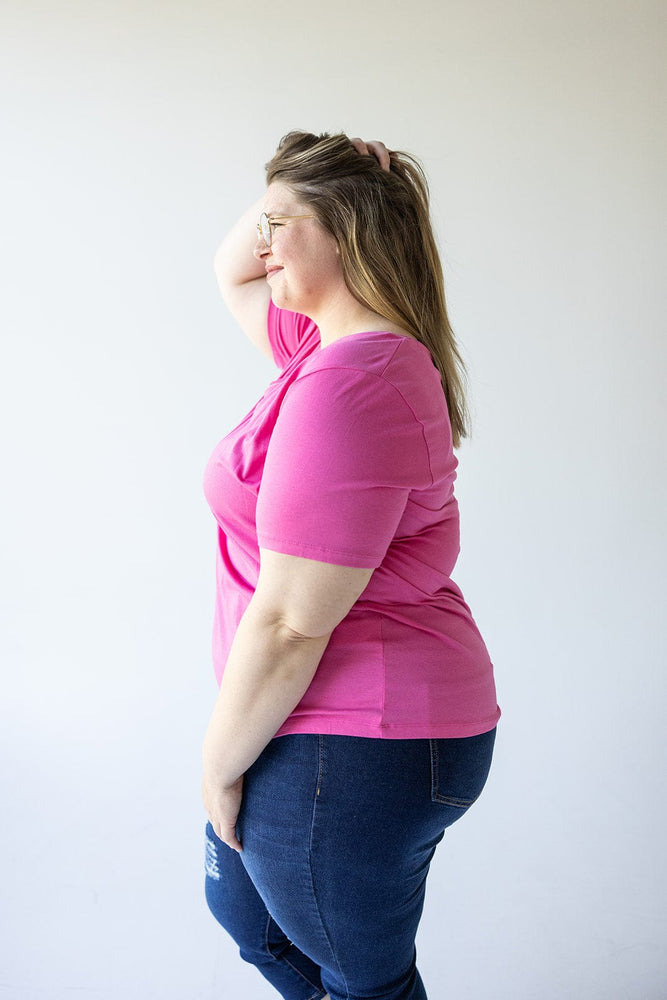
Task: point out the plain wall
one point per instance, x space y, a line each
134 133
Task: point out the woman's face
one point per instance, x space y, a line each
302 264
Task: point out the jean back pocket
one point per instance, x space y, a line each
459 768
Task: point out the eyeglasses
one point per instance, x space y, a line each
266 224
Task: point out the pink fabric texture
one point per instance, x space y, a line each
347 458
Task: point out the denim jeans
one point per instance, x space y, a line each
338 833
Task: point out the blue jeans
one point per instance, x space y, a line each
338 833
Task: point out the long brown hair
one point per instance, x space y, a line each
381 223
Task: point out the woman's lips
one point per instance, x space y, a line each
270 271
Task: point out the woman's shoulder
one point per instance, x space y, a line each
399 361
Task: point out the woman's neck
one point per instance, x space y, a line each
343 316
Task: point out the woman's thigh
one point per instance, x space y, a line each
238 907
338 833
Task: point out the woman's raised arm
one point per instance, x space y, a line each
242 279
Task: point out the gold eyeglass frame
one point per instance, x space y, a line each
276 218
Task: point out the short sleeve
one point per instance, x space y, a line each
344 455
287 331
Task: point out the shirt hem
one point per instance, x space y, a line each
340 726
339 557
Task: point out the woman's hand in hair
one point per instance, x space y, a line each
373 148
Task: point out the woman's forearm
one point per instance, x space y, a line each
234 260
267 673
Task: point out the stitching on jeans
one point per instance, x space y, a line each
310 866
433 750
300 978
318 994
447 800
267 946
320 765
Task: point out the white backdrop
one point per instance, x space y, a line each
133 135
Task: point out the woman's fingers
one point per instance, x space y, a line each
228 835
373 148
380 152
360 146
223 806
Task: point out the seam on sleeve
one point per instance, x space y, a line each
382 378
384 671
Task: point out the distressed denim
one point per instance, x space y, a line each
338 833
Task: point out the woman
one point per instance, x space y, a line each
357 708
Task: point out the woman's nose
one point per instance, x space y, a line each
261 248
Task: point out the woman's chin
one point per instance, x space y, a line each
281 300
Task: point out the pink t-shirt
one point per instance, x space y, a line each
347 458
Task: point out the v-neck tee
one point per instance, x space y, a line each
347 458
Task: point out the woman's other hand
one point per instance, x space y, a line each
374 148
223 806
